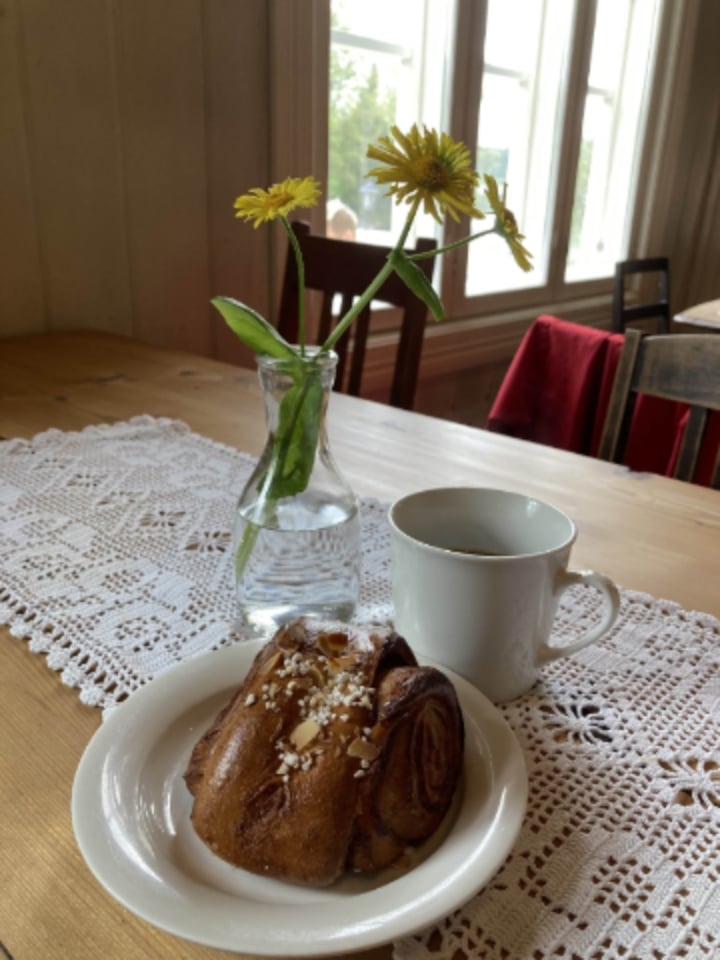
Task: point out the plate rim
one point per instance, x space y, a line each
100 848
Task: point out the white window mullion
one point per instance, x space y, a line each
465 91
568 151
534 131
631 126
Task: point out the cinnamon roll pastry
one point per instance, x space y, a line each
338 752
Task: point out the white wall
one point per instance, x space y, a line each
127 129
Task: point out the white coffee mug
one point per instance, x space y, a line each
477 577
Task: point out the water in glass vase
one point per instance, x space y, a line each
305 562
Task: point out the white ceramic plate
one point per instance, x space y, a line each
131 810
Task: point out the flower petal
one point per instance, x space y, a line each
428 169
278 200
506 224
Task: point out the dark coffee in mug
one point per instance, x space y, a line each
478 552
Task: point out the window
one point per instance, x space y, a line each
387 65
618 80
518 124
552 96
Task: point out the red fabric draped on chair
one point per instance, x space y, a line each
557 389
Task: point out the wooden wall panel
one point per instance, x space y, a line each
299 52
160 69
22 309
128 128
680 176
74 162
694 209
238 147
705 277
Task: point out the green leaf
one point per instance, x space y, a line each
254 331
413 277
296 438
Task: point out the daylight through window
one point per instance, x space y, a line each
562 97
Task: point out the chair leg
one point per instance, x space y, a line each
715 479
614 431
618 299
691 443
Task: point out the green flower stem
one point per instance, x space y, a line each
256 523
451 246
245 547
285 444
372 289
301 281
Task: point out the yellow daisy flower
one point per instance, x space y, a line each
506 224
427 167
278 200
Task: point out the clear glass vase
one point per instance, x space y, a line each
296 538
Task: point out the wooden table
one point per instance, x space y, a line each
649 533
703 318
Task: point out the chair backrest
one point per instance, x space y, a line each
344 269
680 367
659 308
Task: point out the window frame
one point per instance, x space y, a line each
586 300
556 289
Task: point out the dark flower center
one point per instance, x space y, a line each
509 222
280 199
433 174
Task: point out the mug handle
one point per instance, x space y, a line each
568 578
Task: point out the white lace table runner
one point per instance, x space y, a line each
115 563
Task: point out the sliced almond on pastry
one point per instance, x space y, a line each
362 749
304 733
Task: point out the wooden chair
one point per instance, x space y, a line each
345 268
624 313
680 367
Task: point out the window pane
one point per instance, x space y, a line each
611 136
388 21
388 65
518 128
391 62
363 105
